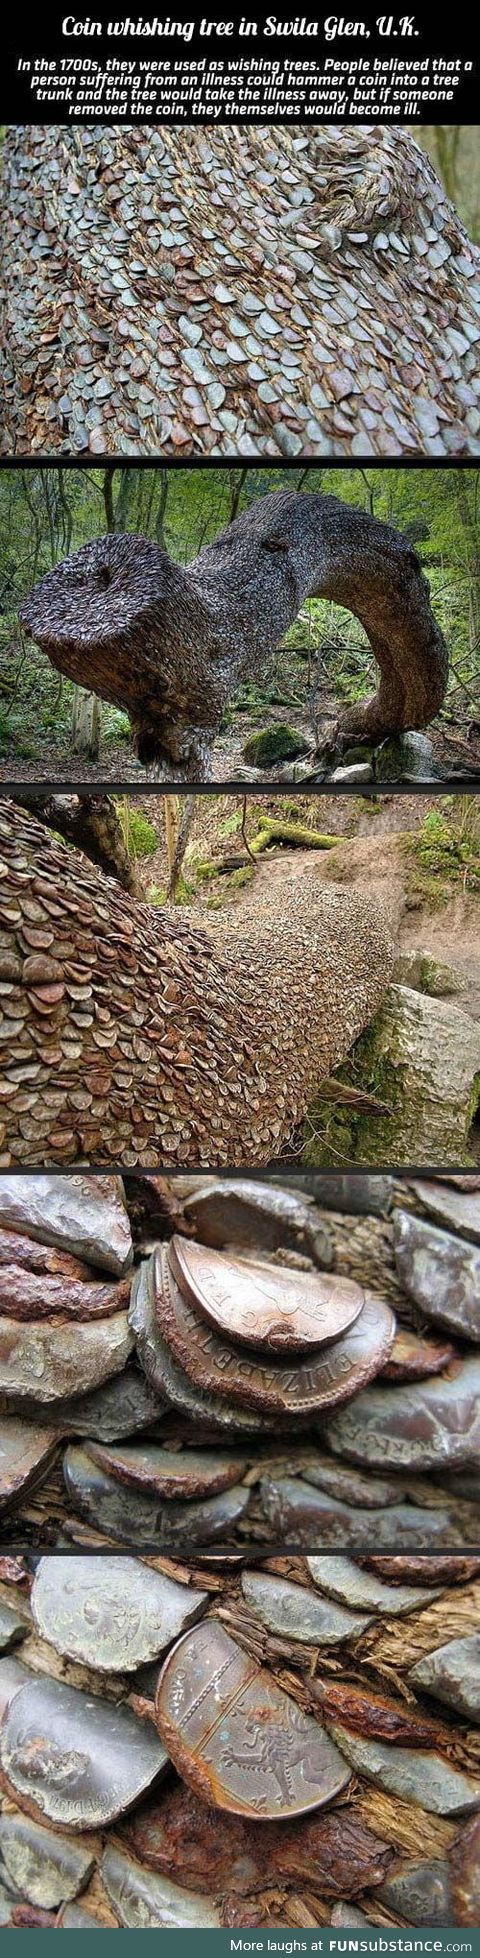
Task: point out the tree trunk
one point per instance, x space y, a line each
174 1046
93 824
85 724
169 644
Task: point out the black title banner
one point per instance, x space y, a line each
185 67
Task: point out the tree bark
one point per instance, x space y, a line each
170 644
169 1045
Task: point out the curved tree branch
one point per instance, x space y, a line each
138 1040
170 643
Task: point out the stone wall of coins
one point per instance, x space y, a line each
235 1742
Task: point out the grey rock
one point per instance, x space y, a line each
407 755
361 771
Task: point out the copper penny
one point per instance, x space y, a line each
182 1472
240 1742
264 1304
328 1376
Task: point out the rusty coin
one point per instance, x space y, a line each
264 1305
167 1472
236 1737
328 1376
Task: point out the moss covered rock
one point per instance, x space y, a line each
279 743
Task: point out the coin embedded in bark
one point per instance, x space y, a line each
12 1628
329 1851
426 1425
441 1272
76 1759
125 1405
425 1570
452 1673
456 1209
259 1216
111 1613
296 1613
31 1295
13 1675
169 1380
45 1867
416 1358
420 1892
260 1304
83 1214
26 1454
17 1249
416 1776
186 1472
302 1387
46 1360
341 1578
143 1900
465 1875
349 1486
297 1513
135 1516
241 1742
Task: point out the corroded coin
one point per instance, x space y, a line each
299 1514
137 1516
329 1852
185 1472
143 1901
241 1742
441 1272
33 1295
259 1216
170 1381
26 1453
341 1578
45 1361
111 1613
75 1759
457 1210
411 1773
82 1214
424 1570
416 1358
125 1405
45 1867
452 1674
328 1376
428 1424
261 1304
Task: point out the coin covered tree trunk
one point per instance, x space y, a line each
131 1037
283 292
170 643
339 1786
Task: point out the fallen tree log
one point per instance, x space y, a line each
170 643
134 1039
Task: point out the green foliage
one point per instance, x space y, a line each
139 835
